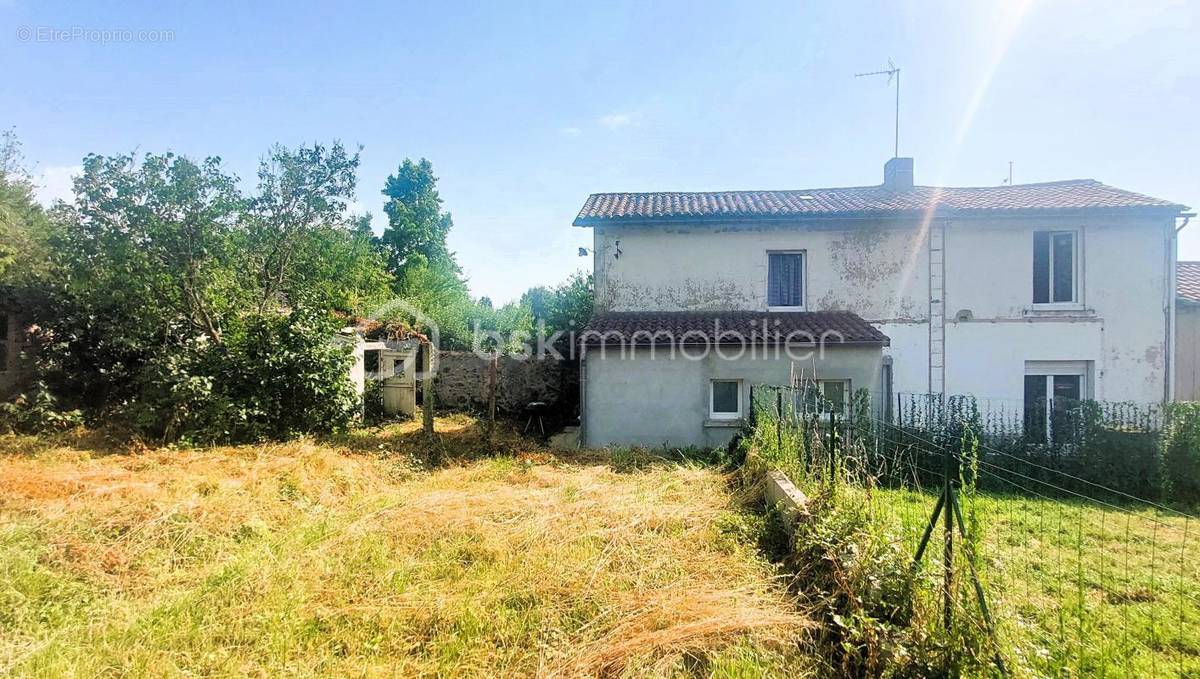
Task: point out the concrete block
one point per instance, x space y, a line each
792 503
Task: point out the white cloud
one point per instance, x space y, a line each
571 131
54 183
615 120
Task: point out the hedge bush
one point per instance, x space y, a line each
1180 457
275 376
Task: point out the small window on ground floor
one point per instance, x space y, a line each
725 399
836 394
827 396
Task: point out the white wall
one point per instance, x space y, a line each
877 270
880 270
637 397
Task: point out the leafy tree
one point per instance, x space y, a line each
302 194
179 302
565 307
153 240
25 228
417 225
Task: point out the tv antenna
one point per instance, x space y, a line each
892 71
1009 180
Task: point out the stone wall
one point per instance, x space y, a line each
462 383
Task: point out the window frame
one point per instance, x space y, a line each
1050 370
846 395
712 414
1076 301
803 254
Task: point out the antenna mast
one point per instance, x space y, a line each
891 72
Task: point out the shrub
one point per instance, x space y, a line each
1180 457
275 376
37 412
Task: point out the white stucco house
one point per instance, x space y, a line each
1015 293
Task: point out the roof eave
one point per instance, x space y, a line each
940 213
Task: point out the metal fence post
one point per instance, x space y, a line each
948 551
753 410
832 451
779 420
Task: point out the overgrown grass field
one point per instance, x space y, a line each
1078 589
354 558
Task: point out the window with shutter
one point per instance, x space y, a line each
785 280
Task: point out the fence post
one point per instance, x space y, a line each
753 413
428 386
832 451
779 420
948 527
493 365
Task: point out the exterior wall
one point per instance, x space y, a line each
16 369
881 270
638 397
462 383
1119 325
878 270
1187 351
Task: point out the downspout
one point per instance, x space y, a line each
582 395
1173 256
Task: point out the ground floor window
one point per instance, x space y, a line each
827 396
725 399
1054 391
835 394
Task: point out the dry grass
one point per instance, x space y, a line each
325 559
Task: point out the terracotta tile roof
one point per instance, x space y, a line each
1187 281
728 327
1075 194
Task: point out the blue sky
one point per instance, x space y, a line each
525 108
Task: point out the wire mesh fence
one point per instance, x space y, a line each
1078 574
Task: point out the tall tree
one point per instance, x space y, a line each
417 225
300 193
24 226
154 235
167 274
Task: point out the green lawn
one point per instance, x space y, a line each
1077 589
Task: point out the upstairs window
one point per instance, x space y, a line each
1054 266
785 280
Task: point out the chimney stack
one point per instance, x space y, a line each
898 174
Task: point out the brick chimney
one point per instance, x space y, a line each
898 174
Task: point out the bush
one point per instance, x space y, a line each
275 376
37 412
1180 457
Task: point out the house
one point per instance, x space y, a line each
1024 293
1187 331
